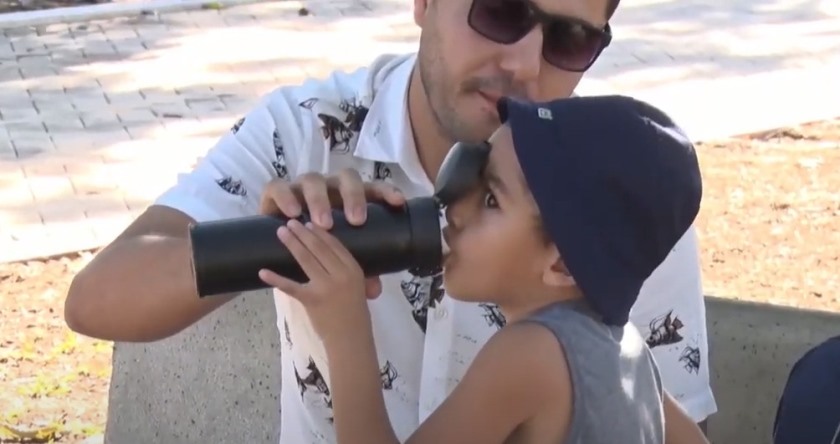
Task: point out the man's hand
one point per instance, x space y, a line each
320 194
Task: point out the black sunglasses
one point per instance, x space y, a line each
568 43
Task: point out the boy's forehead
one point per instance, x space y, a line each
501 150
501 135
502 162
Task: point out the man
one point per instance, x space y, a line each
391 124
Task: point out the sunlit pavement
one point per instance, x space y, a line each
97 118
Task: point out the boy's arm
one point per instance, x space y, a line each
359 412
679 427
521 371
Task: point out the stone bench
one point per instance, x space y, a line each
230 395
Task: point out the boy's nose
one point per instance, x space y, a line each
455 216
449 216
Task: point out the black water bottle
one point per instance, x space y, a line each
228 254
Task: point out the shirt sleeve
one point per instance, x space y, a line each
228 181
657 375
675 285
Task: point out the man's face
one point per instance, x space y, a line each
464 72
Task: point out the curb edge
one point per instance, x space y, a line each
75 14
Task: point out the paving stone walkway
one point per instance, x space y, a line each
97 118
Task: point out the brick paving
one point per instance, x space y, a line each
97 118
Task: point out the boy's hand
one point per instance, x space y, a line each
334 297
319 194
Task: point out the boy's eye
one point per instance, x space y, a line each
490 200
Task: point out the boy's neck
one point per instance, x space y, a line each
521 308
432 144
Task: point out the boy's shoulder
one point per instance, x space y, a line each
511 337
517 380
528 349
582 334
524 364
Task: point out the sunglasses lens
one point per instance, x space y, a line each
502 21
571 46
567 44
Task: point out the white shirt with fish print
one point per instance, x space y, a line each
425 340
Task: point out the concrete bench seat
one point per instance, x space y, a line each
230 395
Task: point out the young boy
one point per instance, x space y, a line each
581 199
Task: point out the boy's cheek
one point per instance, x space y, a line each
457 284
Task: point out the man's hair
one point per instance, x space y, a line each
611 7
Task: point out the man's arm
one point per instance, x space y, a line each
141 287
679 427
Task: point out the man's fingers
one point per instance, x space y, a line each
352 192
319 195
317 200
385 192
280 197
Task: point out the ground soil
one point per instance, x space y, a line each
770 219
769 229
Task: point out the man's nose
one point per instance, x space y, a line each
523 59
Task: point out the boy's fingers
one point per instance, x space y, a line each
305 259
285 285
373 287
338 250
315 246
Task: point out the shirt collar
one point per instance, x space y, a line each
386 134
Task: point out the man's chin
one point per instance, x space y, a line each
473 123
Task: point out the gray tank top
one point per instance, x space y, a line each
617 388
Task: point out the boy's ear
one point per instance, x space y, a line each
555 273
